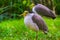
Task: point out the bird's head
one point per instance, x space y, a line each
24 13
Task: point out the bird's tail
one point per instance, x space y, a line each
45 32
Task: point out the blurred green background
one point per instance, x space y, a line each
12 26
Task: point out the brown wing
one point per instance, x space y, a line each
39 21
45 11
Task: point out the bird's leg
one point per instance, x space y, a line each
36 35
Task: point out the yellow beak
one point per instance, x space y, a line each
24 13
21 15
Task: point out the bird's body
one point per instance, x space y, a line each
29 22
35 22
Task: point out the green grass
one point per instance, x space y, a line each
16 30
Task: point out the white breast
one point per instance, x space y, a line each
29 22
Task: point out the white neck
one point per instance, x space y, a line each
34 10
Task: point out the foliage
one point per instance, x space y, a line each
16 6
15 29
57 9
13 7
57 4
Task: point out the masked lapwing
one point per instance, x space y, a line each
43 10
35 22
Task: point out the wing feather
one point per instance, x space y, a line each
40 22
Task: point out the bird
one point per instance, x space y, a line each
34 22
43 11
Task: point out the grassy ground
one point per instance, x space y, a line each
16 30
